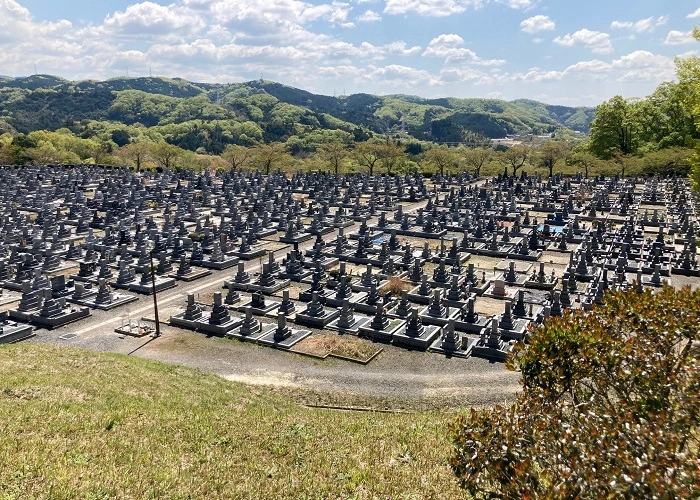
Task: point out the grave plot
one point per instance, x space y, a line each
451 265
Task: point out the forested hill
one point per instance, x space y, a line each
210 116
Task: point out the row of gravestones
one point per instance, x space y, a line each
369 248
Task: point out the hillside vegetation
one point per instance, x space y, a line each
77 424
264 111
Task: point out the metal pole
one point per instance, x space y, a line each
155 300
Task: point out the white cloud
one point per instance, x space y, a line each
449 47
442 8
395 76
435 8
640 65
694 14
536 24
149 18
675 37
520 4
641 26
597 42
369 17
400 48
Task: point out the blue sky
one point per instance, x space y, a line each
555 51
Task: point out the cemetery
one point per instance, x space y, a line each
451 265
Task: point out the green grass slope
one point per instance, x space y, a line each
78 424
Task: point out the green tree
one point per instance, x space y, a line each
609 407
165 154
367 154
673 160
583 159
392 155
516 156
615 130
441 157
476 158
237 157
269 155
7 156
550 152
135 153
333 154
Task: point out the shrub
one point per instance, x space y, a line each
609 407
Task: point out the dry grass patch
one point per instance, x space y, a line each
395 286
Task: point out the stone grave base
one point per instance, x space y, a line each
360 321
455 304
326 263
685 272
415 233
395 326
536 285
306 296
355 298
480 288
297 239
531 256
321 231
252 254
270 305
646 280
84 279
194 275
296 336
14 332
314 322
69 315
305 273
430 320
479 350
414 296
269 290
503 250
664 270
16 287
357 287
463 258
346 223
135 286
219 330
179 321
219 264
421 343
438 284
474 328
462 352
363 307
118 299
264 233
518 332
265 328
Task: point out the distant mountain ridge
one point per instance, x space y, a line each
277 111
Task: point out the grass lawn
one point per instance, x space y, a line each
75 423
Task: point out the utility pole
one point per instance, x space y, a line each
155 299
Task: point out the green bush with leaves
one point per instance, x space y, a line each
609 407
